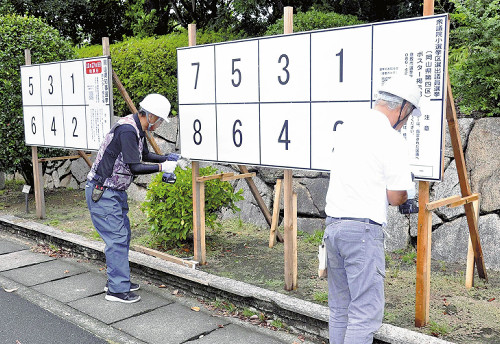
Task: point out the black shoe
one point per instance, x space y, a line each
129 297
133 287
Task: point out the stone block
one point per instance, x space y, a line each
233 334
8 247
310 224
136 193
79 170
464 127
19 259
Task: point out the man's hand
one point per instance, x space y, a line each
183 163
168 166
173 156
397 197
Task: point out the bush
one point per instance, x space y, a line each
18 33
475 56
314 20
150 64
169 207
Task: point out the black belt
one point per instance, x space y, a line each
359 219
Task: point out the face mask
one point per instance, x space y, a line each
151 125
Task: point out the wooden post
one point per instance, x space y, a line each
257 196
294 244
198 202
290 240
37 166
469 272
276 212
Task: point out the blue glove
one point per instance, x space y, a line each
173 157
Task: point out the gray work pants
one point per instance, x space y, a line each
356 272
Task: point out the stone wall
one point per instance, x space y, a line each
480 139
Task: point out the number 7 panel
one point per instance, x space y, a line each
196 77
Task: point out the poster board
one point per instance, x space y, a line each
67 104
277 101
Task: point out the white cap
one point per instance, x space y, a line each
156 104
404 87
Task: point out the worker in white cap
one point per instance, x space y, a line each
369 170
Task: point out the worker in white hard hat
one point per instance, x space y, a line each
369 171
120 158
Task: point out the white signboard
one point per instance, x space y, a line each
278 101
67 104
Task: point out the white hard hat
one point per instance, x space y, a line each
156 104
404 87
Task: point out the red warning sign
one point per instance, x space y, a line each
93 67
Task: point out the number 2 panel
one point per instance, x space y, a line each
341 65
75 126
198 131
285 135
237 72
238 133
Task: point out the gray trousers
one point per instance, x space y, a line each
109 216
356 272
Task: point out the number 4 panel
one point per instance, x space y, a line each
53 126
285 135
238 133
75 126
198 131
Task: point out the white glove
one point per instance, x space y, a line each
411 191
168 166
183 163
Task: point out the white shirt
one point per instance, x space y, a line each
369 158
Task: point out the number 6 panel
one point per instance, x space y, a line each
198 131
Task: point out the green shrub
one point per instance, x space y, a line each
315 20
475 56
17 34
150 64
169 207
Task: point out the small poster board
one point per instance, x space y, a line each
278 101
67 104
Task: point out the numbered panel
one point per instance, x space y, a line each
238 134
237 72
73 85
33 124
198 131
285 135
284 68
30 80
197 86
53 126
75 126
341 65
50 84
326 120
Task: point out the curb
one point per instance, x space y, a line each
302 316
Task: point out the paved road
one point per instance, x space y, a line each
62 301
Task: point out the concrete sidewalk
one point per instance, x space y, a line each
73 290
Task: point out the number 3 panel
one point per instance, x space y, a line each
237 72
285 135
238 133
198 131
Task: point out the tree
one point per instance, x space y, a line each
19 33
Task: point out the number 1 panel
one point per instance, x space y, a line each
285 135
198 131
73 83
284 68
341 64
238 133
196 77
237 72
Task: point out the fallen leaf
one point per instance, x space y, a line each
66 271
10 290
162 286
196 309
221 326
492 299
175 292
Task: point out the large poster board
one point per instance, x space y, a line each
67 104
277 101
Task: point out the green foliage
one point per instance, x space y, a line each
321 296
437 329
314 20
169 207
150 64
18 33
315 238
475 56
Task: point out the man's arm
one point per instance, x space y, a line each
397 197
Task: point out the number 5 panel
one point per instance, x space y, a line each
198 132
237 72
341 64
196 77
285 135
238 133
30 79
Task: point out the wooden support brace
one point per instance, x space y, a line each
256 194
189 263
452 201
238 176
465 200
214 176
469 271
68 157
276 213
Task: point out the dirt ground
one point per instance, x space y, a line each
240 251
